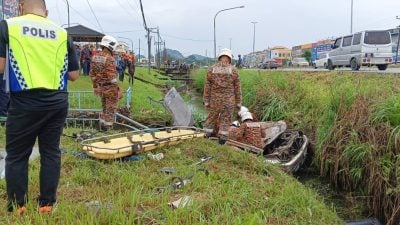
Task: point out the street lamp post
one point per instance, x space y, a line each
69 22
254 43
215 36
398 41
351 22
129 40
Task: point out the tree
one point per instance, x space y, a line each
307 54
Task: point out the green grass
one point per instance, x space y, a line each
353 121
240 188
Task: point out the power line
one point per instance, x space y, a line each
186 39
126 10
97 20
77 12
144 18
123 32
58 13
133 8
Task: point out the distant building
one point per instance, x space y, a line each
395 37
280 54
256 59
320 47
9 8
315 48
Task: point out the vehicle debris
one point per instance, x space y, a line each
183 202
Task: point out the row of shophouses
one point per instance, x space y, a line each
282 55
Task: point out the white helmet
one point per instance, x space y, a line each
109 42
236 123
226 52
246 116
242 111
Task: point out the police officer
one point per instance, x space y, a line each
40 60
103 75
222 96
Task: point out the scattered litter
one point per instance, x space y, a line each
96 206
168 170
204 160
134 158
182 202
179 182
157 157
181 113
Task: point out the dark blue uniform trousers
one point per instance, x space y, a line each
22 129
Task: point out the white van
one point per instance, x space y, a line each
366 48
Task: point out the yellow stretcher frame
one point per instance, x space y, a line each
126 144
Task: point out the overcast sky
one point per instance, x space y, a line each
187 25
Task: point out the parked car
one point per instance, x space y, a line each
365 48
322 61
269 64
299 62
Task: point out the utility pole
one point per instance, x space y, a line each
139 52
398 41
159 48
148 49
165 53
208 62
351 22
230 43
254 43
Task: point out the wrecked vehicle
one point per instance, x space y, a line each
280 146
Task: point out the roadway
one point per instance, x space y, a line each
362 70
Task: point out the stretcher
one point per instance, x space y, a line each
136 142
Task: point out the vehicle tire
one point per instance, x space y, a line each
382 67
354 65
325 66
330 65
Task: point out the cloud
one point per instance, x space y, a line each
188 24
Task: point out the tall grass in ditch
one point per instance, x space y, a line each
353 122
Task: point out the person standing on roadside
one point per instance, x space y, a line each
103 75
86 60
39 99
222 96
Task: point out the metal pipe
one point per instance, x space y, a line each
137 124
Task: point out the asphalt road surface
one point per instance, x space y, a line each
374 70
362 70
